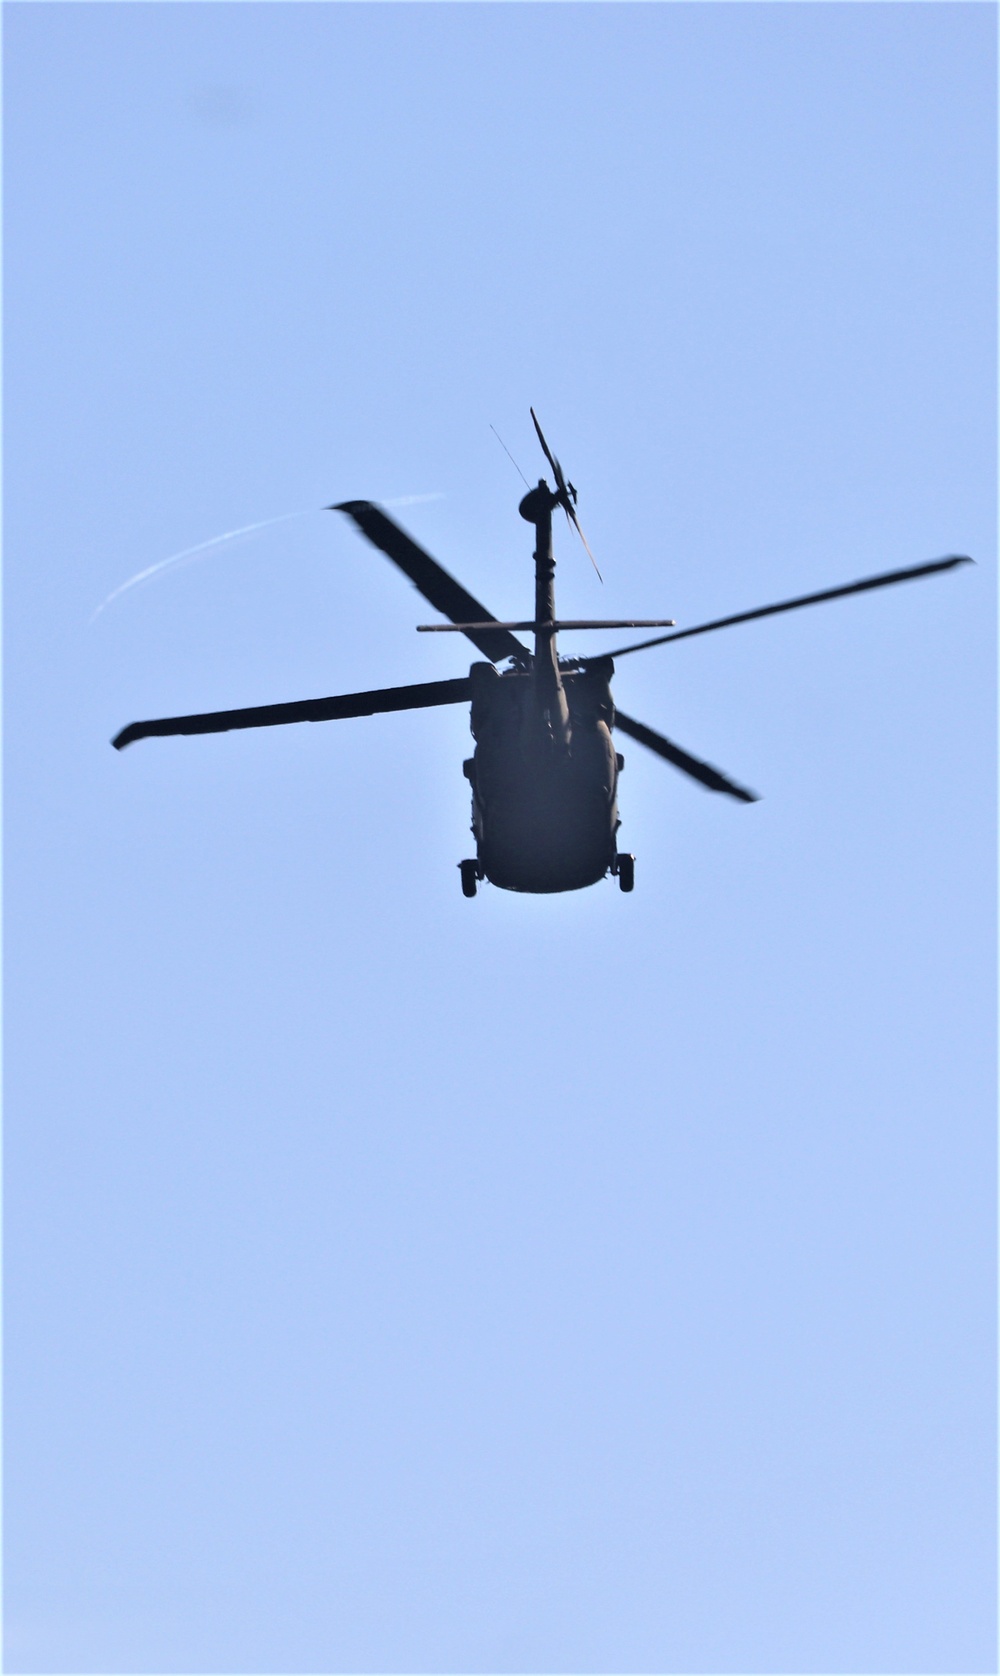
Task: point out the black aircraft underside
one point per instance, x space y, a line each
544 816
543 826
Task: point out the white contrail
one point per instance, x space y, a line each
190 553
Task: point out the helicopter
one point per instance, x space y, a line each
544 770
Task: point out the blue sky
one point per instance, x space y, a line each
396 1282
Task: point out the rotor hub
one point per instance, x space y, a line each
537 503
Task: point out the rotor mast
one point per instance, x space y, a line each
536 508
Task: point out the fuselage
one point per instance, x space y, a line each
544 774
544 798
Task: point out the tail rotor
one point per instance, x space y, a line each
565 492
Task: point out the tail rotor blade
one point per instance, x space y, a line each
546 450
574 520
564 494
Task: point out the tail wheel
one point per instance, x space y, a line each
470 872
625 869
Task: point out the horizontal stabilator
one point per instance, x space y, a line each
551 627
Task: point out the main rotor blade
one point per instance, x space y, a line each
418 697
884 580
666 748
432 580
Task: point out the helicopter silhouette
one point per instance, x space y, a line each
544 771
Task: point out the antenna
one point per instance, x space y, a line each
510 457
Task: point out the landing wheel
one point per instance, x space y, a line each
470 873
625 869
